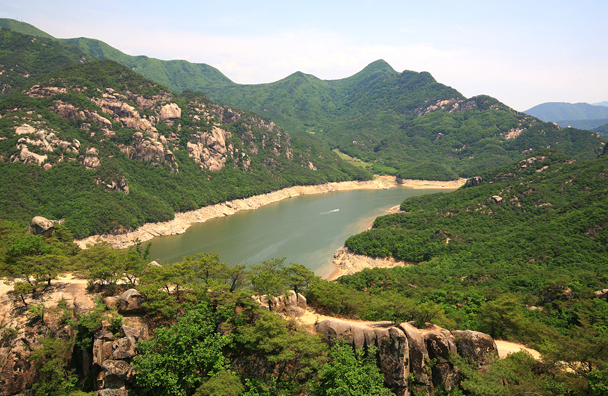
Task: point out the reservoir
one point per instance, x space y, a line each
305 229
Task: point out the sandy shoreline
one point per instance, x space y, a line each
183 220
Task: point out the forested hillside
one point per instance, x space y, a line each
406 124
109 150
25 58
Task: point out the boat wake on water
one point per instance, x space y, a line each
331 211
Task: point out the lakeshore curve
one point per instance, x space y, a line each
183 220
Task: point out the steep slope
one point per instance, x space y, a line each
23 28
177 75
558 111
24 58
108 150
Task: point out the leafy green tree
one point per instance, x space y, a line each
269 278
299 277
290 354
102 264
224 383
161 286
177 359
350 372
51 362
502 316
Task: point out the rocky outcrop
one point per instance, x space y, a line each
496 199
115 185
210 149
474 346
348 262
440 345
292 304
40 140
150 149
170 112
405 352
130 302
603 294
21 333
41 226
474 181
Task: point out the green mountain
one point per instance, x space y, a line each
109 150
24 58
177 75
558 111
546 212
602 129
23 28
583 124
405 124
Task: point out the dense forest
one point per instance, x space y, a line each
518 253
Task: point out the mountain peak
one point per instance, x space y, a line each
23 28
379 66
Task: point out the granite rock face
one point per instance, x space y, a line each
293 305
412 358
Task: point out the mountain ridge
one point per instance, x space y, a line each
404 124
560 111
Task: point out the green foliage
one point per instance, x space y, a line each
350 373
178 359
269 278
51 363
224 383
502 316
155 192
26 56
37 311
289 353
516 372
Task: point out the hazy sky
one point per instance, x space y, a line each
522 52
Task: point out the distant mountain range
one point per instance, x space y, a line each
575 115
558 111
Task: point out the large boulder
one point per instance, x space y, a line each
291 304
392 345
114 374
418 356
603 294
475 346
41 226
440 346
130 302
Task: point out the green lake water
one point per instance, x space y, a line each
306 229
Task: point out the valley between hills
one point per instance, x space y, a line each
96 142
